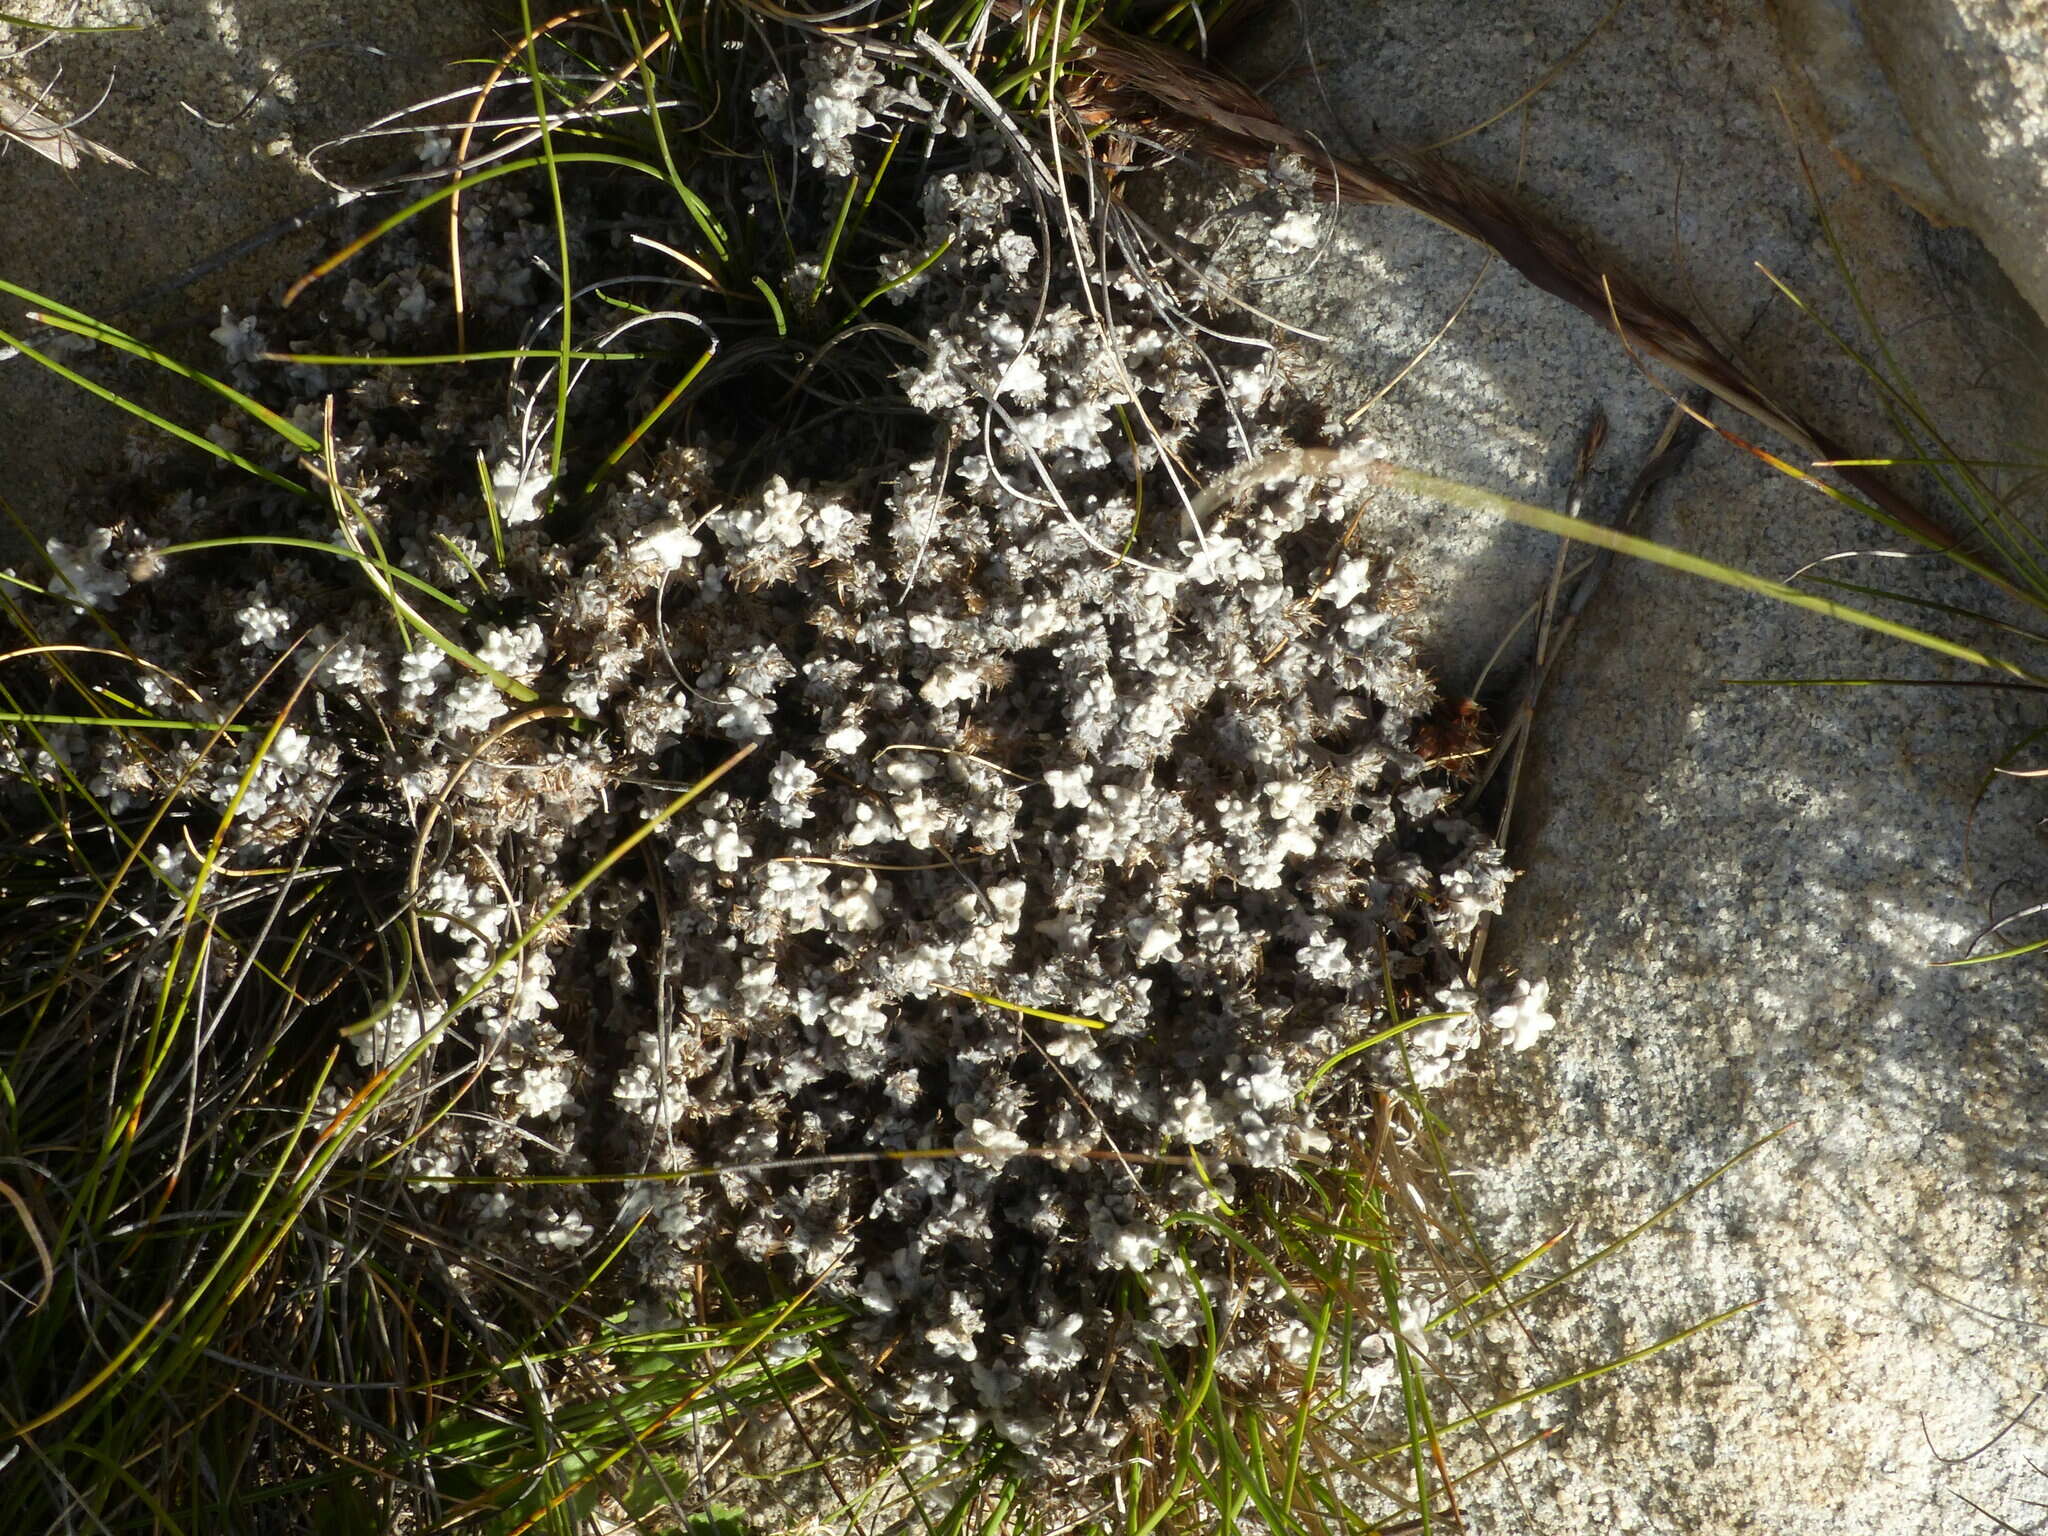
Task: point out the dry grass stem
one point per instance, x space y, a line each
1122 81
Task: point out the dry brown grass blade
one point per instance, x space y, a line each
61 143
1116 79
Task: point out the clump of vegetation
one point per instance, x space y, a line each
679 865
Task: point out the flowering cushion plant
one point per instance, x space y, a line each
1080 831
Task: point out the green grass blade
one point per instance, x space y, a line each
182 434
553 168
1633 1232
469 182
1579 1378
1458 494
2004 954
106 335
317 546
448 359
72 30
640 428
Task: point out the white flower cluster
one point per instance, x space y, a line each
848 93
1073 832
83 573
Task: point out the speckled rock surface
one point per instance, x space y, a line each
282 79
1735 891
1947 100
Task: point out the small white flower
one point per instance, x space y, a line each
1434 1048
263 625
796 890
771 100
722 845
1134 1246
542 1090
531 998
1349 582
953 683
1072 1048
390 1037
1266 1146
1264 1084
790 783
1154 938
1007 899
834 528
1069 786
288 747
665 543
858 1022
1522 1020
1038 621
172 861
869 823
1016 251
1078 429
517 488
423 665
80 576
1294 1340
239 339
413 302
1295 232
1413 1329
917 819
1048 1351
565 1230
1248 387
1071 931
984 1141
348 665
875 1294
777 519
1022 378
859 904
1171 1300
956 1335
1290 800
1190 1117
744 716
1325 958
471 705
518 653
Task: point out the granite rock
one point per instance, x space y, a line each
1947 101
1737 892
219 110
